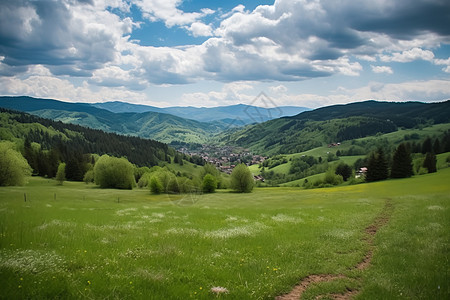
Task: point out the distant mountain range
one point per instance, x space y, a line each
288 134
158 126
239 114
186 124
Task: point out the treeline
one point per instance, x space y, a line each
338 123
405 161
46 143
304 166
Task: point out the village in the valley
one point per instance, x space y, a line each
225 158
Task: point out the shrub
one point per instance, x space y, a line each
209 184
332 178
155 185
89 177
113 172
13 166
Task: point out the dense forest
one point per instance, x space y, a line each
45 143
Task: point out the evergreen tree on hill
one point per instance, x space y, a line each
344 170
427 146
402 162
430 162
377 168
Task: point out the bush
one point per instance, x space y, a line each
242 179
61 173
13 166
332 178
209 184
89 177
113 172
155 185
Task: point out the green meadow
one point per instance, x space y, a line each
79 241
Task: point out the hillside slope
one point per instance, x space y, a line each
336 123
71 139
158 126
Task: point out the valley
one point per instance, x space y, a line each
132 217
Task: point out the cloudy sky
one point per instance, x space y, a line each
221 52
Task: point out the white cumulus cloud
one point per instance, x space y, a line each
382 69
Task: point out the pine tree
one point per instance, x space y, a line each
344 170
437 147
377 168
402 163
430 162
427 146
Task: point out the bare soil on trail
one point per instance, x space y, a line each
370 231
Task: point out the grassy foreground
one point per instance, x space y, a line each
78 241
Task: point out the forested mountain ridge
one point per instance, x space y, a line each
335 123
45 142
246 114
403 114
158 126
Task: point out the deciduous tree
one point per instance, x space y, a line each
13 166
61 173
242 179
209 184
113 172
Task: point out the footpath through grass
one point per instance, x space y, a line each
78 241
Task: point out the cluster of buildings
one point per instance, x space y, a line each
225 158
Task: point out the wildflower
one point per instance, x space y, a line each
131 282
19 286
89 282
219 290
201 288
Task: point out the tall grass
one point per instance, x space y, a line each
78 241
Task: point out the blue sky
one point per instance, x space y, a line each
209 53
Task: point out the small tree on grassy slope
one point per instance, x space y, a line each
209 184
377 166
61 173
402 163
242 179
13 166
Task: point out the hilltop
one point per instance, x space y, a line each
333 124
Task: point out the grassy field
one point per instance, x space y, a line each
78 241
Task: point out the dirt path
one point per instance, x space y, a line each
370 231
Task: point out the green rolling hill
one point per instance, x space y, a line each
158 126
332 124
